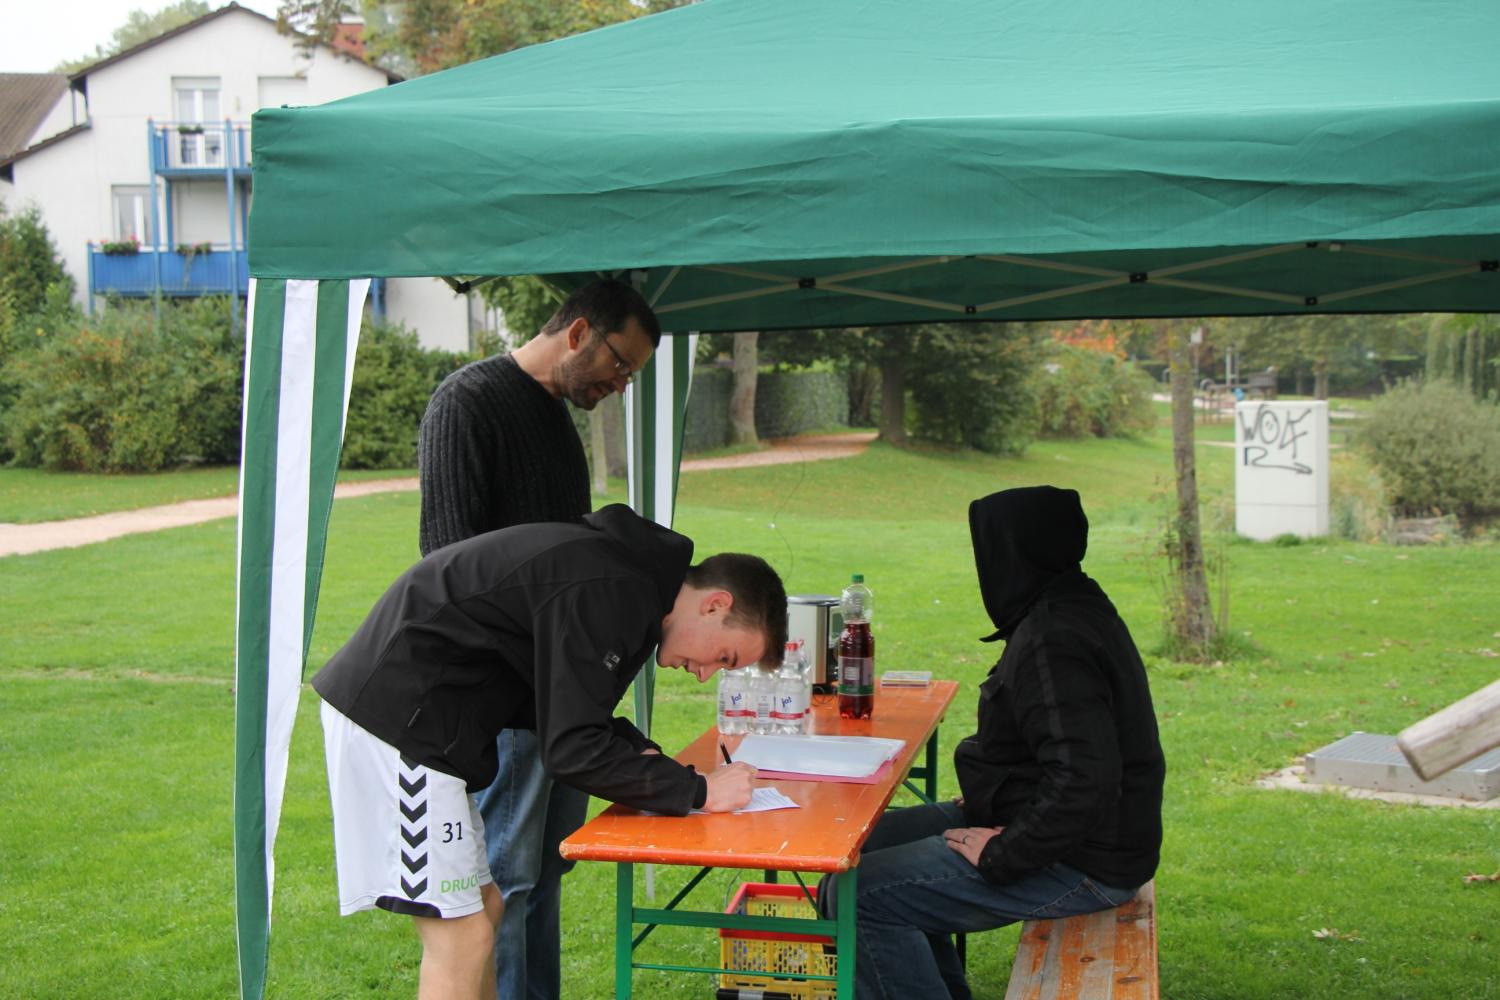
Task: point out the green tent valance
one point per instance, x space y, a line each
782 163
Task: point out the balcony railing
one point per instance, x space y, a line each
200 145
149 271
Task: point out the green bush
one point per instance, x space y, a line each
1085 393
789 403
30 268
971 386
1437 449
126 392
706 423
131 392
393 379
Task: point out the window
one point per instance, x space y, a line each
133 213
200 129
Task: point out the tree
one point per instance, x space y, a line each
1465 350
140 26
869 355
36 293
1192 623
314 21
972 384
742 396
29 263
1326 346
423 36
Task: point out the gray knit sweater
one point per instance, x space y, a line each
496 449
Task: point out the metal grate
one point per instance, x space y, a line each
1370 760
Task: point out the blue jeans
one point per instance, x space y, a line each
526 815
914 891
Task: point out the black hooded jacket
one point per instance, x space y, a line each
1067 757
537 626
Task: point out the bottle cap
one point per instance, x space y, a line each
859 578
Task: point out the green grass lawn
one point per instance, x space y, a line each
116 723
28 496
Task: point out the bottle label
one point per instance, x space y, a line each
856 675
789 707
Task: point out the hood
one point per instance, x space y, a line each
1025 540
660 552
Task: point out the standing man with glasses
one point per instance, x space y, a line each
498 448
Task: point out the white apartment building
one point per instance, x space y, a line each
141 166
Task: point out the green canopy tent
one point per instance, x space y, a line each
766 164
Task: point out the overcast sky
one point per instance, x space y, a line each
36 35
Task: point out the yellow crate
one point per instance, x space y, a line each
762 959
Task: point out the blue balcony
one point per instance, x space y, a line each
185 149
144 274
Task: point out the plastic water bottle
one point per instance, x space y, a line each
857 652
733 702
762 700
793 691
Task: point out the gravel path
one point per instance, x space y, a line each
23 539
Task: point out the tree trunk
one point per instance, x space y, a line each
1320 379
1193 623
893 401
598 452
742 398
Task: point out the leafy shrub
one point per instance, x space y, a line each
970 386
29 263
1358 508
1437 449
788 403
127 392
36 294
1083 393
706 423
393 379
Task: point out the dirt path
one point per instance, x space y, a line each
24 539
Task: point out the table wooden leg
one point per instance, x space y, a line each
848 884
624 928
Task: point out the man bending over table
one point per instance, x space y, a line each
539 626
1061 807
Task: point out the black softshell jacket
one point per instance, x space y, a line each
535 626
1067 756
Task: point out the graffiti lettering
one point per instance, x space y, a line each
1270 440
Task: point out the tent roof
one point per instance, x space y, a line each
777 163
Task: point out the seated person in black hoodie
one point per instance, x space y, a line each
1062 785
539 626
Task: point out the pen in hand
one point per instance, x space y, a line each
725 751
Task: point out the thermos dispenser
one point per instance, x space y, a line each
816 620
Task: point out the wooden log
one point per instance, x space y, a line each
1458 733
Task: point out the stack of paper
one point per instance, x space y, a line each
849 757
905 678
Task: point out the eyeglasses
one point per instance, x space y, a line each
622 367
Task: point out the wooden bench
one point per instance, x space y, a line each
1108 955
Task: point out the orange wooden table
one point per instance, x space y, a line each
824 835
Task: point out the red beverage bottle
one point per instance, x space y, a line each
856 653
856 671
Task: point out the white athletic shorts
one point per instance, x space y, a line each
406 838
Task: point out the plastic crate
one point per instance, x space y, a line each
763 960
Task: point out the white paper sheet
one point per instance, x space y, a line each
837 756
761 800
